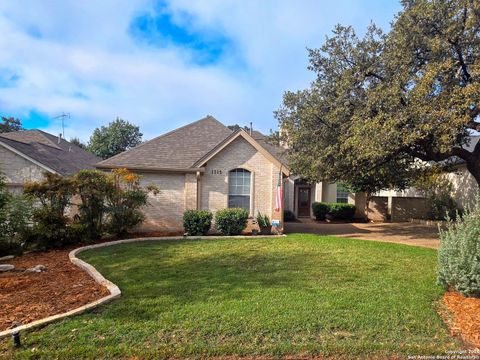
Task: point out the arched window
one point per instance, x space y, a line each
239 189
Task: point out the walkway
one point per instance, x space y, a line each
401 233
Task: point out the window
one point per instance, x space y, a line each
342 194
239 189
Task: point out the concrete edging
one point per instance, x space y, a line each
114 290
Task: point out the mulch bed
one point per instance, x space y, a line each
465 317
25 297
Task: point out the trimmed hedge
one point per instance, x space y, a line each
197 222
231 221
340 211
320 209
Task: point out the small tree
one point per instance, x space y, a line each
118 136
124 200
15 215
92 187
50 224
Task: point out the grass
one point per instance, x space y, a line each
299 295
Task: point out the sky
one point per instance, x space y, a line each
163 64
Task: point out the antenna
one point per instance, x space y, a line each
63 116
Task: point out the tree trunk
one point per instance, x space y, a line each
368 196
473 168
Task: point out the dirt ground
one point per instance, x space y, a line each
25 297
401 233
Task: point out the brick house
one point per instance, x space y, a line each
25 155
205 165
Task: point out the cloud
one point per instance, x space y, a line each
161 64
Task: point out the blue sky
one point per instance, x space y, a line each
162 64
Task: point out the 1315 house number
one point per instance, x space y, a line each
216 172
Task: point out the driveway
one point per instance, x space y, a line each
401 233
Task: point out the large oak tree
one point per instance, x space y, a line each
381 102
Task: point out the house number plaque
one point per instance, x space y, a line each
216 172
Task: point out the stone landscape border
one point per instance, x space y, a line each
114 290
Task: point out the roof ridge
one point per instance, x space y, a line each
208 117
48 142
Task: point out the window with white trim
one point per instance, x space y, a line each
239 189
342 194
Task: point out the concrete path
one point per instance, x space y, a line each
401 233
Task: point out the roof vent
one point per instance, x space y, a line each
59 137
251 128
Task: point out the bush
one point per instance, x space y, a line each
231 221
124 200
320 209
49 228
288 215
442 207
459 253
197 222
92 187
15 217
342 211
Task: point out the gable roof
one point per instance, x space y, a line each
48 151
182 149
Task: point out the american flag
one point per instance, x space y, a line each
278 194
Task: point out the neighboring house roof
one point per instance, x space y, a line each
180 150
48 151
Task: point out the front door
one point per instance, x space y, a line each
303 201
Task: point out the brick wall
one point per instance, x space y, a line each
165 210
18 170
239 154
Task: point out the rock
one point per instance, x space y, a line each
6 267
8 257
37 268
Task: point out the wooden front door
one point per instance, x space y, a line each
303 201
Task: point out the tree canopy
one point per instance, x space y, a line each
10 124
381 102
118 136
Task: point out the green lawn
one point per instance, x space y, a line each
299 295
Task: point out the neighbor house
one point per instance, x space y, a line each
26 155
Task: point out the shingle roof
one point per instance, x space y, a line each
179 149
49 150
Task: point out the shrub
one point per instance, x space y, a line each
441 207
124 200
92 187
197 222
459 253
288 215
15 217
50 225
263 220
231 221
320 209
342 211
